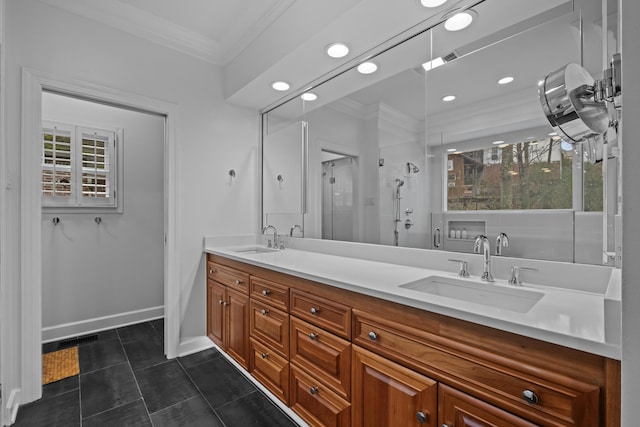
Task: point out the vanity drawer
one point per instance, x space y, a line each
272 293
270 325
546 398
327 314
236 279
271 369
325 355
316 404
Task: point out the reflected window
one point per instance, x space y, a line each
533 174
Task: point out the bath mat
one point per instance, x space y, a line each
59 365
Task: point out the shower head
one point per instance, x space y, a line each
399 183
412 168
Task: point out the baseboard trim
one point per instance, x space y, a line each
13 403
194 345
89 326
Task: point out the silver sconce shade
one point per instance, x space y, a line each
567 99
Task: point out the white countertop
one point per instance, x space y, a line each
584 320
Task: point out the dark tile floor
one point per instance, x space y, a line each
125 380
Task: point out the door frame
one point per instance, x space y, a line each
33 83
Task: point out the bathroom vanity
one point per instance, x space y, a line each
362 342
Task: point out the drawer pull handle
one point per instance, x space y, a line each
266 292
444 425
239 282
530 397
264 312
313 336
314 310
373 336
264 355
313 390
224 303
422 417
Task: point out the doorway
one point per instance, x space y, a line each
337 196
102 216
34 83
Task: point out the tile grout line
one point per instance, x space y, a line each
144 402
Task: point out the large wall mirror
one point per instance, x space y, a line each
447 140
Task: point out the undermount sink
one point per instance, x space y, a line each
512 299
254 250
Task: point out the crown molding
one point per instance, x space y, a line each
143 24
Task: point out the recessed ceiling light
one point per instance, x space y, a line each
280 86
337 50
448 98
309 96
367 68
434 63
497 142
451 150
432 3
505 80
459 21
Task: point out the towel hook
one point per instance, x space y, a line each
98 220
55 220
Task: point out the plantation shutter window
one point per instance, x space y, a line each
78 166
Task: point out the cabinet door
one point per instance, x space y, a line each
270 369
457 409
388 394
316 404
216 302
237 327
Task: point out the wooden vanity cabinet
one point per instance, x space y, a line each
353 359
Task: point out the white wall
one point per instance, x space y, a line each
212 135
89 270
630 10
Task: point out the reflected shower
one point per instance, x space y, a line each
412 168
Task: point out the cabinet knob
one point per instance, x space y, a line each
422 417
212 270
314 310
264 312
239 282
264 355
313 390
530 396
373 336
222 302
313 336
444 425
266 292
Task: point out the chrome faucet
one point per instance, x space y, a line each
293 227
501 241
514 276
275 235
481 240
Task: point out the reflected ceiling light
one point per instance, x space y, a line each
432 3
553 134
309 96
505 80
367 68
451 150
434 63
337 50
280 86
448 98
503 145
497 142
460 20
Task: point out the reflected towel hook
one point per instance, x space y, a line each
232 173
55 220
98 220
280 178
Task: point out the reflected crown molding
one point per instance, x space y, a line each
390 120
